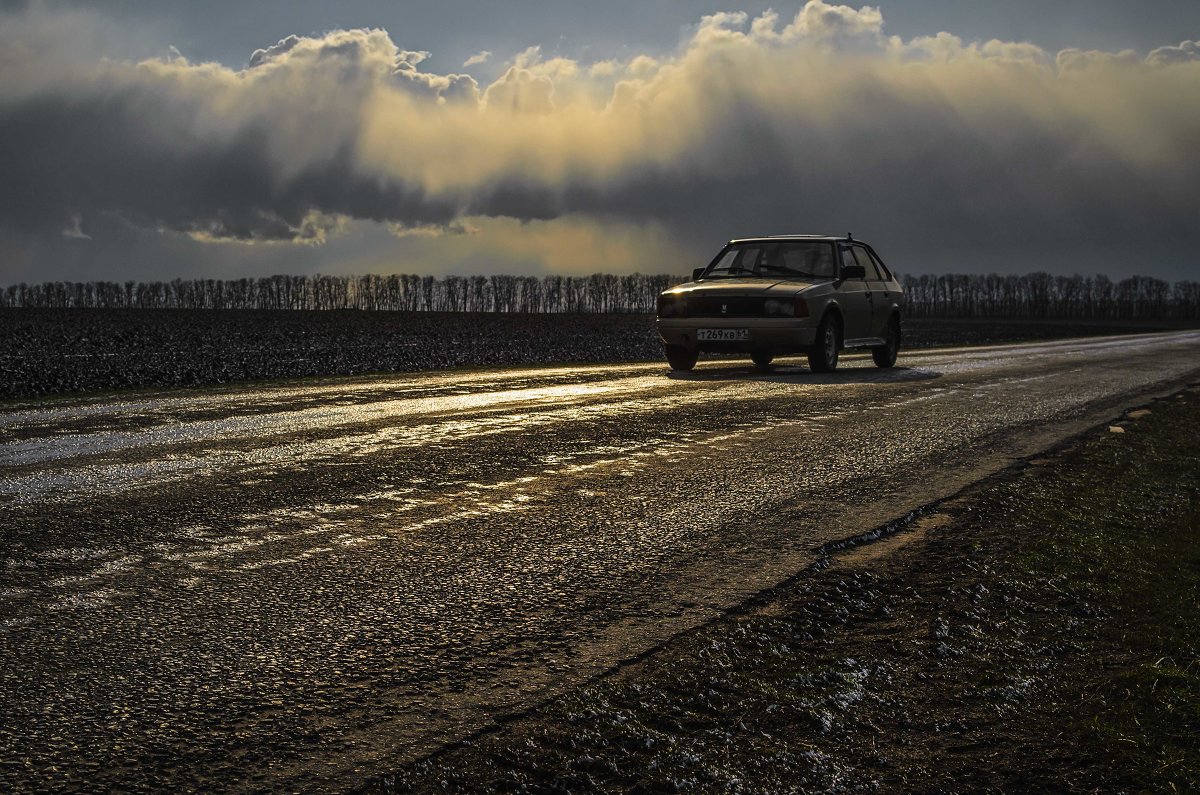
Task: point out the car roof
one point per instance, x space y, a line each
818 238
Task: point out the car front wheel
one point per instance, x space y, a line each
681 358
885 354
824 357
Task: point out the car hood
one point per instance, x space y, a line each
730 287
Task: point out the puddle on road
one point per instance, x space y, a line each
352 391
88 480
302 533
322 419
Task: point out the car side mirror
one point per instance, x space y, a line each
697 273
853 272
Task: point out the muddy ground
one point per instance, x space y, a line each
1038 632
52 351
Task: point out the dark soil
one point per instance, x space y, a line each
939 332
1039 632
47 351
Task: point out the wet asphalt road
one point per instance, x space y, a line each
299 586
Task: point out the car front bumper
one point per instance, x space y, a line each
771 335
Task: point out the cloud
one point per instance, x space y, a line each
1071 59
74 229
275 51
994 150
1186 52
820 24
432 230
478 58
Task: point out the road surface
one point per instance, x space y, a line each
301 585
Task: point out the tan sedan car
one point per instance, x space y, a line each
776 296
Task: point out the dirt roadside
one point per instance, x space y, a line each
1040 631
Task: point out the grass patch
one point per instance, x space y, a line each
1121 527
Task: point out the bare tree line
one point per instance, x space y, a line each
1041 295
1033 295
600 292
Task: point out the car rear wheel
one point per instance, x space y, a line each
885 354
824 357
681 358
762 360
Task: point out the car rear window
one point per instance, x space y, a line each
887 274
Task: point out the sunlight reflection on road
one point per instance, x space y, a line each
460 406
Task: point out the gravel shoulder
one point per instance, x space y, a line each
1038 632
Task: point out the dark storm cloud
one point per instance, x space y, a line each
817 123
205 151
76 156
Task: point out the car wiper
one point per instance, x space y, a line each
732 270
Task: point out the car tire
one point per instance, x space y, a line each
823 358
762 361
682 358
885 354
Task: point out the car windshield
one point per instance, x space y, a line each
777 258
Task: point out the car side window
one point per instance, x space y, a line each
848 258
868 264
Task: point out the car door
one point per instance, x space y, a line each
854 296
878 291
885 294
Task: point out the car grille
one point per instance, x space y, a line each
724 307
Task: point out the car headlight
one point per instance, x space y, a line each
779 308
672 305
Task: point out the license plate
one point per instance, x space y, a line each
722 334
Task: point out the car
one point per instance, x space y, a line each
785 295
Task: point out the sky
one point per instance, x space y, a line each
155 140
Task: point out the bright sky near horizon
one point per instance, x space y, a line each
225 139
